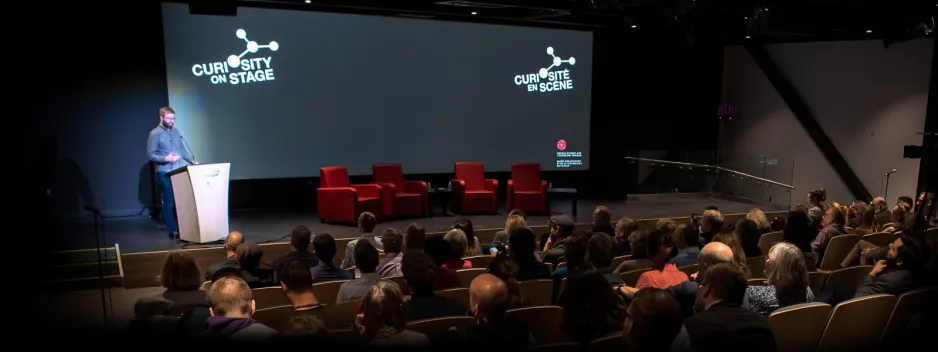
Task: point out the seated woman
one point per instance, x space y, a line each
383 318
182 278
787 280
663 274
728 237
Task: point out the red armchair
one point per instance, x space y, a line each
339 201
526 190
399 197
472 192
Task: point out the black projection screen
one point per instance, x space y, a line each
305 90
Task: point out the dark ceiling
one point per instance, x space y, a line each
716 21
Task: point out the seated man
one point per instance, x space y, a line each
489 301
420 274
232 242
249 258
299 240
231 311
297 285
899 272
324 246
366 225
366 259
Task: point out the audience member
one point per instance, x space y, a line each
833 222
638 241
739 255
515 219
249 258
506 269
624 228
663 274
231 259
304 329
182 279
489 301
561 227
473 246
711 207
666 225
590 308
420 275
383 319
415 237
393 242
748 233
521 245
366 225
865 219
763 225
457 245
687 240
602 217
324 246
899 272
366 259
654 323
440 251
881 208
721 324
817 207
711 222
574 255
231 311
599 255
798 230
300 238
297 284
787 280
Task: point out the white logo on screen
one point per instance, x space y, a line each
546 80
237 69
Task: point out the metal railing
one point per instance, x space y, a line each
713 167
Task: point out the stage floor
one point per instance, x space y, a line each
142 234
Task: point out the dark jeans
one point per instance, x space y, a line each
169 203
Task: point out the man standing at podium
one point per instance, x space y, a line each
166 151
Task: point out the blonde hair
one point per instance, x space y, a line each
758 217
513 223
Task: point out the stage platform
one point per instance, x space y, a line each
142 234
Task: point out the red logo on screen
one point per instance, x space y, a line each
561 144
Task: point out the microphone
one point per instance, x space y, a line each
193 154
92 209
889 173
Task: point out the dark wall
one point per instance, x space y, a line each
102 79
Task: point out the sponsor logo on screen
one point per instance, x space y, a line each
553 78
567 158
240 68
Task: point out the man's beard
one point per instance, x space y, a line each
891 262
168 125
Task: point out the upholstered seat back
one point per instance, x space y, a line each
333 176
389 173
473 173
526 177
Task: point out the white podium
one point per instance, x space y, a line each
201 193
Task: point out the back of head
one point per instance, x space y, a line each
324 245
688 235
300 237
457 243
249 255
656 319
304 326
574 252
488 297
366 257
419 271
463 224
415 237
711 207
714 218
230 297
518 212
383 310
392 240
786 271
715 253
514 222
880 202
367 222
868 217
233 240
730 239
506 269
818 195
438 249
521 244
727 282
296 276
599 252
666 225
626 225
638 241
757 216
180 272
660 243
602 216
590 308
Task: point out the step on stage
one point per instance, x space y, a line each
142 234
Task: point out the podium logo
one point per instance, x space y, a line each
549 79
237 69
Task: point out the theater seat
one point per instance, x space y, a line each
400 198
339 201
526 190
473 193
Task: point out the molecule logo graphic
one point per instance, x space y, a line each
561 145
556 62
252 47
